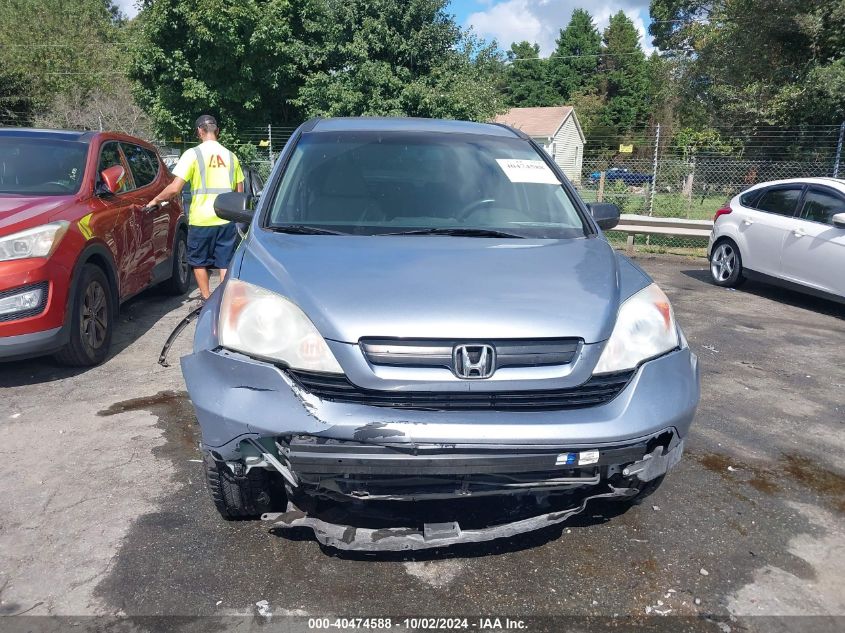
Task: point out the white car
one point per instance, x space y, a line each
790 232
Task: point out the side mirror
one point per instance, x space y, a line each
839 220
606 215
234 206
112 179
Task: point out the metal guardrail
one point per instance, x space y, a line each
634 224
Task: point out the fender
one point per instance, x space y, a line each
164 270
93 249
181 224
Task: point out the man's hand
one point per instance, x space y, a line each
153 205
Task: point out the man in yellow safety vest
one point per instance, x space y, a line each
211 169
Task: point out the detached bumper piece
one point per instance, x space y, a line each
432 535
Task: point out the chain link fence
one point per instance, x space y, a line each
672 181
257 148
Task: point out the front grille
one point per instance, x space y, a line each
14 316
438 352
597 390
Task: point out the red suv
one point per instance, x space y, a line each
76 239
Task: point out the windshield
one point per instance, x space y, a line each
422 183
40 166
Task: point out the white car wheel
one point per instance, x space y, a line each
726 264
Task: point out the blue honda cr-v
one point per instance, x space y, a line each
425 315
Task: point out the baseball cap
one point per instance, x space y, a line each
205 119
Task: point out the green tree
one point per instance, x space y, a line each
388 57
59 47
747 63
527 79
623 76
575 61
691 142
241 61
281 61
16 101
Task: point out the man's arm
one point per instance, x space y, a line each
239 175
174 188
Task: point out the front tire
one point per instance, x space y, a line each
91 319
241 496
726 264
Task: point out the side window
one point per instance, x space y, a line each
110 156
780 201
144 166
154 161
821 206
750 198
256 185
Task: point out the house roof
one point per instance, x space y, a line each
536 122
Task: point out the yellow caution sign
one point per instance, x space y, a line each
626 149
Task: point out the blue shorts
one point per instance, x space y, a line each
212 246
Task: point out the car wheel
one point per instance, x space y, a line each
726 264
180 276
91 318
244 496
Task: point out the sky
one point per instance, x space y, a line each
540 20
127 7
516 20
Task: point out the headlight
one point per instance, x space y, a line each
38 242
645 328
261 323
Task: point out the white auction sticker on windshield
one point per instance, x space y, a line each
521 170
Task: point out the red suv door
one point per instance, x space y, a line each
155 224
118 219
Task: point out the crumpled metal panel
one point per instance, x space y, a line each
655 463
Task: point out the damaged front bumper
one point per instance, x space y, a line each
237 397
350 537
355 471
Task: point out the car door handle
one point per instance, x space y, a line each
748 222
798 232
149 209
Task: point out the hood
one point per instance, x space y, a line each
18 213
441 287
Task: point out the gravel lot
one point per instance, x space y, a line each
107 514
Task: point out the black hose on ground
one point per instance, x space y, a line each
162 359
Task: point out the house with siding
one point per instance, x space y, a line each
557 130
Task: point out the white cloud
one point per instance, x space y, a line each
540 20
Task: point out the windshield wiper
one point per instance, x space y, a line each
302 229
458 232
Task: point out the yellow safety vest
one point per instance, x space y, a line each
213 170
